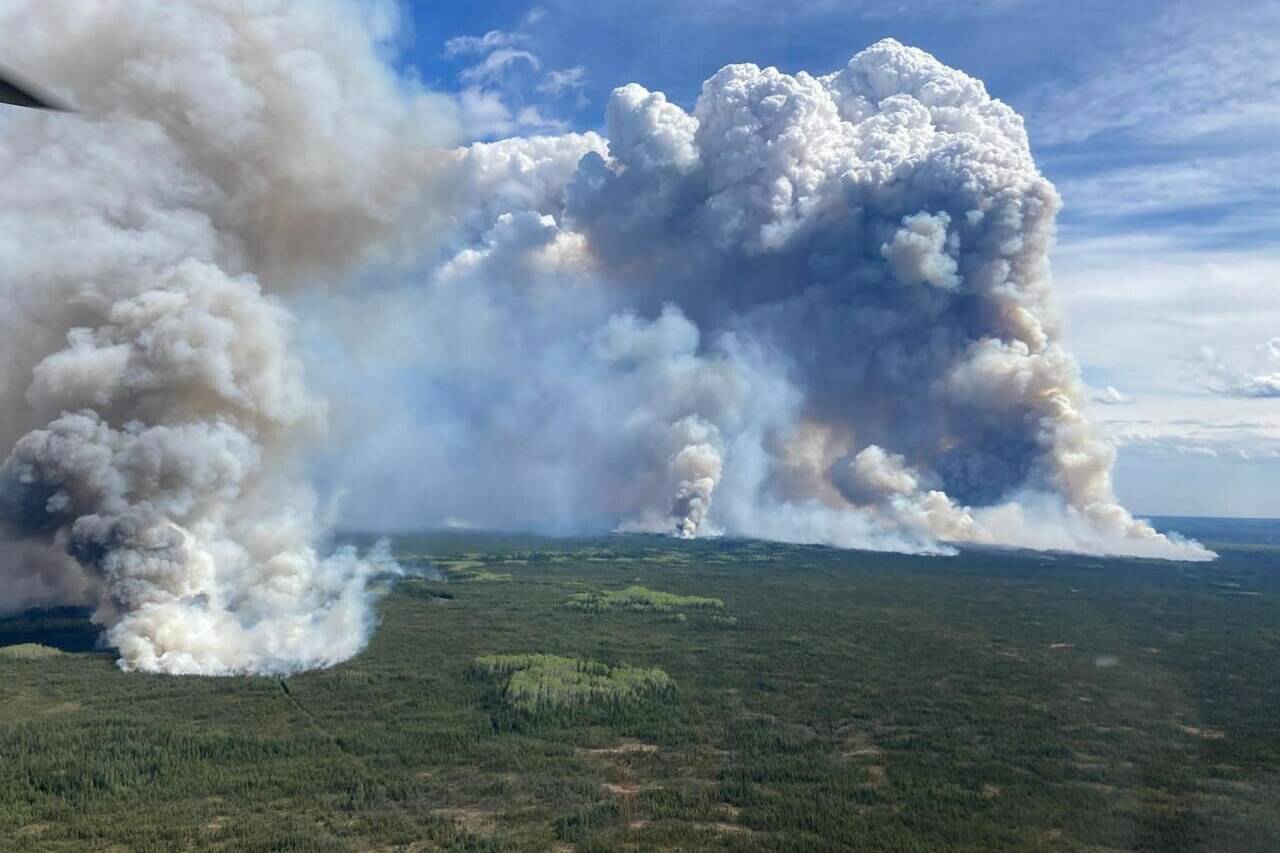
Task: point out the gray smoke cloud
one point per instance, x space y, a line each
813 309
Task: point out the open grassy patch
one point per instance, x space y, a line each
537 684
30 651
472 571
640 599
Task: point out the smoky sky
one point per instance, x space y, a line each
812 308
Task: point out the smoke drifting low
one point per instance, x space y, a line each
812 309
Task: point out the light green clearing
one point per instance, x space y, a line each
471 571
30 651
550 682
475 576
639 598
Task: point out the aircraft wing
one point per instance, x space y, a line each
14 90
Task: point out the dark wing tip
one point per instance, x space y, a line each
14 90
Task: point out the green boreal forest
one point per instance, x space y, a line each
642 693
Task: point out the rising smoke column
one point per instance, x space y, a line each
227 152
812 308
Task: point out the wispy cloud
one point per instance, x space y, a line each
1202 69
1231 380
1238 447
503 81
1171 124
484 114
496 64
932 9
814 10
1110 396
1140 305
1151 188
479 45
561 80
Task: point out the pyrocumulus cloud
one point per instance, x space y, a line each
812 308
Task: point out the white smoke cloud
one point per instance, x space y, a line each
225 153
813 309
920 252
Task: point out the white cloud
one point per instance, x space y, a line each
1238 446
1170 123
502 76
1110 396
492 68
479 45
1198 457
1248 184
531 118
1202 69
485 115
932 9
709 12
1137 303
560 80
1231 380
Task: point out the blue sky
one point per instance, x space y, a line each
1157 119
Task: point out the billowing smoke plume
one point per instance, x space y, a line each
225 152
813 309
